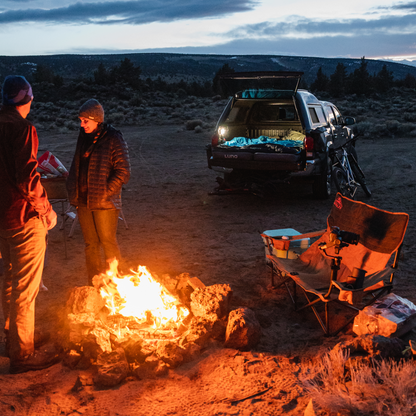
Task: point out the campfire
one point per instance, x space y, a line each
139 303
142 325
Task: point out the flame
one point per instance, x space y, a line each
140 296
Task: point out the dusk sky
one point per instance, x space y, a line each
381 29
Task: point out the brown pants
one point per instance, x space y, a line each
23 252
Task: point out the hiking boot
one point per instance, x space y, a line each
38 360
40 338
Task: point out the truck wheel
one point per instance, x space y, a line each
322 186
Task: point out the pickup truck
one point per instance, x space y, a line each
266 135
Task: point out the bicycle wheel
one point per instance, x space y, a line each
341 183
359 175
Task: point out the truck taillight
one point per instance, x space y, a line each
308 141
309 144
214 140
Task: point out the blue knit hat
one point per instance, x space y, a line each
16 91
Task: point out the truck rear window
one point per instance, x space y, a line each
272 113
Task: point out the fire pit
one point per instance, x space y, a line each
142 324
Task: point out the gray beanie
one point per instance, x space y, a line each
93 110
16 91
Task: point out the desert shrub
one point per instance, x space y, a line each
43 117
59 122
142 110
50 126
65 130
82 86
71 125
119 109
406 128
116 118
71 105
364 128
393 126
191 124
181 93
136 101
49 106
409 116
380 388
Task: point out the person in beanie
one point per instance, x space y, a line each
98 171
25 218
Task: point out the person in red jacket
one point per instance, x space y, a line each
100 167
25 217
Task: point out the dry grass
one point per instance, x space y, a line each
382 388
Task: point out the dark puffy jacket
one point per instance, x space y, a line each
109 169
22 194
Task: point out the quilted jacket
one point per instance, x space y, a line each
109 169
22 194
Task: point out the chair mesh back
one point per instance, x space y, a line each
380 231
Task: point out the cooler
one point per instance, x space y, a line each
296 247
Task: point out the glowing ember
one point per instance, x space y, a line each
140 296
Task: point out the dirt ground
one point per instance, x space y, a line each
175 226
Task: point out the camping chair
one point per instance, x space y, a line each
351 264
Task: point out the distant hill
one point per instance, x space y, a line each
170 66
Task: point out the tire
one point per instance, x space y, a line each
341 183
322 186
359 175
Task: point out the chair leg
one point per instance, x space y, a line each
124 219
74 223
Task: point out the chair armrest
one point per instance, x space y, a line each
296 237
307 235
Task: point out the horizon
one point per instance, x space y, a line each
402 62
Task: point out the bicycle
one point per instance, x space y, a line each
346 171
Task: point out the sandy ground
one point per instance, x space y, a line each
175 226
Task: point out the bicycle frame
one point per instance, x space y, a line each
340 159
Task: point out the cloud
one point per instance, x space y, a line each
302 27
128 12
405 6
